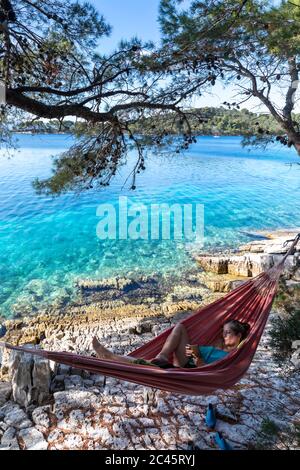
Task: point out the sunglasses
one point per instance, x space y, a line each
228 333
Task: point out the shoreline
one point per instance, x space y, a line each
80 292
194 133
152 295
76 410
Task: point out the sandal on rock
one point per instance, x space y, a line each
210 417
220 441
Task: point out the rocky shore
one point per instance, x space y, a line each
227 271
49 406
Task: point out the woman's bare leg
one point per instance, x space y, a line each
176 343
104 353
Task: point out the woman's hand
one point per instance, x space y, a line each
192 350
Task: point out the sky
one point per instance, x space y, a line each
139 18
129 18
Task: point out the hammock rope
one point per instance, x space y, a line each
250 302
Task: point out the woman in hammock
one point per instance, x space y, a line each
185 354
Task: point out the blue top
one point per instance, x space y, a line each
211 354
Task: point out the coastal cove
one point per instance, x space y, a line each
49 245
62 286
150 230
47 405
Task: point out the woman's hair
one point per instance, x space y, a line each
239 328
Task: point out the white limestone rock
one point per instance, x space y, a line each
17 418
295 358
40 416
75 399
33 439
55 435
30 378
9 440
72 442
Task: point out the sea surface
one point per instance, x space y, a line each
47 244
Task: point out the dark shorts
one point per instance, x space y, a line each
143 362
208 354
190 364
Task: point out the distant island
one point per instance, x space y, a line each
213 121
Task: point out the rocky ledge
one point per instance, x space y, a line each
227 271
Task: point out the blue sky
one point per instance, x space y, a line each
129 18
139 18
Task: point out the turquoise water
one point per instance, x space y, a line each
47 244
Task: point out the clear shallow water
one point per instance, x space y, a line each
47 244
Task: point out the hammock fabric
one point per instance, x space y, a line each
251 302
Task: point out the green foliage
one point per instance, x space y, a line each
283 29
268 435
51 71
167 11
45 127
272 437
138 95
250 26
283 332
285 328
47 45
253 44
269 428
216 121
78 167
211 121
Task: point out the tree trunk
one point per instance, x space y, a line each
294 139
297 147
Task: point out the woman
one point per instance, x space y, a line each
185 354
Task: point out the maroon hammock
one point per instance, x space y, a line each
251 302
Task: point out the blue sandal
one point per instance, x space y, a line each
210 418
220 441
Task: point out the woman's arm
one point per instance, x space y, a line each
199 361
192 350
